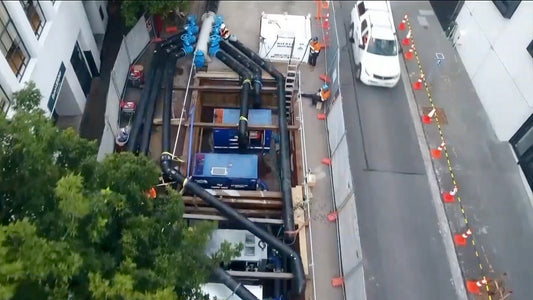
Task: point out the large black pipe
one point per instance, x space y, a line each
285 176
152 102
247 76
175 38
171 173
170 69
143 102
211 6
233 285
243 59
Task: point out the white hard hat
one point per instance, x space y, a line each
222 26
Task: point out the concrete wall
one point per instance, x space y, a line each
98 25
131 47
493 50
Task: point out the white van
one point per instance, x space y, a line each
374 43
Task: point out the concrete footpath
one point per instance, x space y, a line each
324 236
492 199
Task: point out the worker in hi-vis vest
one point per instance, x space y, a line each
322 95
314 51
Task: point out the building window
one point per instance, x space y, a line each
11 44
522 143
506 7
35 15
5 103
101 11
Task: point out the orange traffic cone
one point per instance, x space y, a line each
326 161
449 197
321 116
407 40
417 85
402 24
474 286
325 78
337 282
426 119
437 153
325 24
409 54
332 216
461 238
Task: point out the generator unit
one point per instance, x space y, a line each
226 139
226 171
218 291
253 257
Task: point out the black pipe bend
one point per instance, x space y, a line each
189 185
247 76
238 288
285 176
251 65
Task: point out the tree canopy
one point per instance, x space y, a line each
75 228
132 10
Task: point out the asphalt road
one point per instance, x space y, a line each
404 255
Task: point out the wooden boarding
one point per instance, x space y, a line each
297 204
299 219
246 212
237 202
221 218
173 122
221 88
245 193
228 75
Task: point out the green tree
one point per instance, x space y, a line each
74 227
132 10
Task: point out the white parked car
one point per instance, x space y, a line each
374 43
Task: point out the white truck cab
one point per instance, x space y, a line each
374 43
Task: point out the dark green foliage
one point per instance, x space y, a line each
74 227
132 10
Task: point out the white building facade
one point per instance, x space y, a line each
495 42
57 45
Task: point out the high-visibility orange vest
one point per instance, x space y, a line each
324 94
315 47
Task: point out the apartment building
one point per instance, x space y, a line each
56 44
495 42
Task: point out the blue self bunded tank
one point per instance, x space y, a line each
226 139
226 171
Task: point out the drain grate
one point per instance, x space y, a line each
443 120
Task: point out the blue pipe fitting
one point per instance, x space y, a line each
218 21
213 49
188 49
191 29
191 19
214 44
188 39
214 39
199 59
